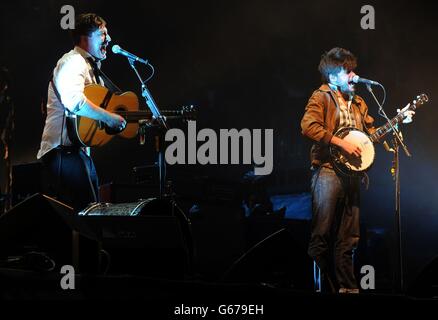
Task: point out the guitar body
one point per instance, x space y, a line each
350 165
94 133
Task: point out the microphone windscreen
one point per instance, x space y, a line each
116 48
355 78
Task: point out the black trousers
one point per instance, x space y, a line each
335 226
69 176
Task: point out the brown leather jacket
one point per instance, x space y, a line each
321 121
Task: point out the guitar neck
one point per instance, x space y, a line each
385 129
134 116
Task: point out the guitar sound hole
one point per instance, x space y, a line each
120 109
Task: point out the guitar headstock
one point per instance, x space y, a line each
419 101
188 113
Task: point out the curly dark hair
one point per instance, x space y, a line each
333 61
85 24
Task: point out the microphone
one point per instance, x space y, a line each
117 50
357 79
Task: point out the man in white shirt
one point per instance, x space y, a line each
69 172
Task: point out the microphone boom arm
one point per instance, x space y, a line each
395 132
163 127
148 97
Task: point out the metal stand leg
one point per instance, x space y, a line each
316 277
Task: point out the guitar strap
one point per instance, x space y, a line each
59 96
72 138
106 99
70 134
106 80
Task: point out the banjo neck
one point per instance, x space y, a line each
383 130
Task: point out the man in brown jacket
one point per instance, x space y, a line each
335 223
335 198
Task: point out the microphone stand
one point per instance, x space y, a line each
159 147
395 170
162 128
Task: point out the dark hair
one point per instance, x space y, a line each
86 24
333 61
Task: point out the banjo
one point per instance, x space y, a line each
351 165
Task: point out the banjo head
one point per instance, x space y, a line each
349 164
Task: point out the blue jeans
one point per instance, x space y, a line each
335 226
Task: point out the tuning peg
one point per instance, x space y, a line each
424 97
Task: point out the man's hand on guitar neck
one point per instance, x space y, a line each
408 114
349 148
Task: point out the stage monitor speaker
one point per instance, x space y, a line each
44 234
151 237
278 260
426 284
122 193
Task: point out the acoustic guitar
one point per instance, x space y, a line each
87 132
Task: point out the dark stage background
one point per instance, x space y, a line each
250 64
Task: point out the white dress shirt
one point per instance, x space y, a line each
72 73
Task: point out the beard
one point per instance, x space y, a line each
348 89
